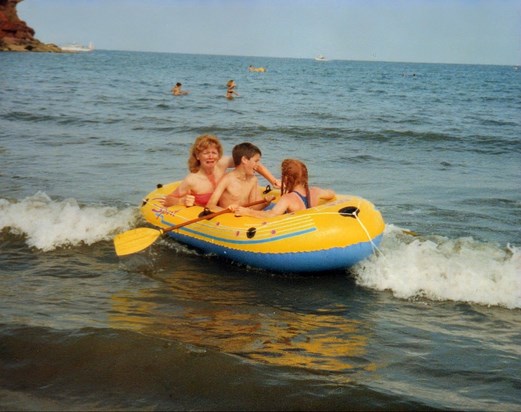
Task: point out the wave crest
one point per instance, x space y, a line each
438 268
50 224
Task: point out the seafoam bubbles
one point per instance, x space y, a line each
49 224
439 268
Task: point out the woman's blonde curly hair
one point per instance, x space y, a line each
200 145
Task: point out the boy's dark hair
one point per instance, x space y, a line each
245 149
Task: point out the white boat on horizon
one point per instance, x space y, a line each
320 58
76 48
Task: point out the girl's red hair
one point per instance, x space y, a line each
293 173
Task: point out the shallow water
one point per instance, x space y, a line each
429 322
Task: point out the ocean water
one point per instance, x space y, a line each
430 322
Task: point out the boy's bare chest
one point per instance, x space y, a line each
240 188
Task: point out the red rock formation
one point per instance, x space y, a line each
15 34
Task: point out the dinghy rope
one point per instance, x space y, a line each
353 211
375 248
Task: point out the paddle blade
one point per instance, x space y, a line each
135 240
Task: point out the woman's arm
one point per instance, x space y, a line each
225 162
178 196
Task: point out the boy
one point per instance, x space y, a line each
240 186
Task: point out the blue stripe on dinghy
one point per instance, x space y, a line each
249 241
321 260
241 242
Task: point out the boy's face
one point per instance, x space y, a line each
250 165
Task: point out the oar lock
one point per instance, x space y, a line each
349 211
250 233
145 201
267 190
205 212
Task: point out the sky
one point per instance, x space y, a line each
424 31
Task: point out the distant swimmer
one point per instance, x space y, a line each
176 90
231 90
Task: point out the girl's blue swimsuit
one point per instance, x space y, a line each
304 199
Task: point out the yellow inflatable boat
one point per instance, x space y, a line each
333 235
257 69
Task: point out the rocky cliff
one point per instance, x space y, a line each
15 34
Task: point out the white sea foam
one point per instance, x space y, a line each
50 224
438 268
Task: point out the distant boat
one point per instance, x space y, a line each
76 48
256 69
320 58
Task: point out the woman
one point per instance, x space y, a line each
207 166
231 89
296 193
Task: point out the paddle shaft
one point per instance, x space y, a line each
210 216
138 239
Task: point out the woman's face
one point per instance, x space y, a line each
209 156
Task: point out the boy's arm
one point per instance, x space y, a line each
254 194
216 196
263 171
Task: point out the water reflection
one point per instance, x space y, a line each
244 317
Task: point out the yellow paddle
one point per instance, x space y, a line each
138 239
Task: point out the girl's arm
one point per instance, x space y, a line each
279 209
326 194
318 194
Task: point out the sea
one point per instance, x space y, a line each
431 321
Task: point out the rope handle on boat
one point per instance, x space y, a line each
353 211
373 245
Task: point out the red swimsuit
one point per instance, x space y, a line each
203 198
